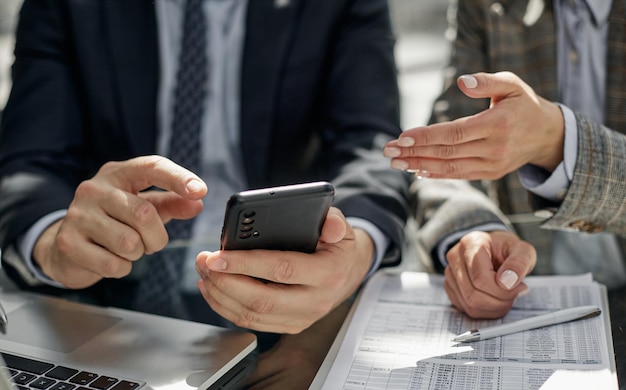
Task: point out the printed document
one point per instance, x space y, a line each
399 336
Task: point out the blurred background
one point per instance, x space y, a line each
8 16
421 52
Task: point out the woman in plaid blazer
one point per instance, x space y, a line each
519 37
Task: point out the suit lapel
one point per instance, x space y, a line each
131 29
268 33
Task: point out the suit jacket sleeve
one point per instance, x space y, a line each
45 150
595 199
450 206
41 131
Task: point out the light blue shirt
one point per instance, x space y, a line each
582 29
221 161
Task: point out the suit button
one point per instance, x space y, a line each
496 9
544 214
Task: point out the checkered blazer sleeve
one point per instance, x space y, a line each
596 199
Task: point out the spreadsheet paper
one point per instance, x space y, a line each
400 337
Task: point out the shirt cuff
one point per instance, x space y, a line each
381 241
553 186
453 238
26 244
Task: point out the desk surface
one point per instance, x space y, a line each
617 307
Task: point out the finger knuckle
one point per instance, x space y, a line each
260 305
118 196
142 212
426 137
86 189
451 168
446 151
219 283
111 267
246 319
283 271
455 135
129 243
153 161
109 166
65 243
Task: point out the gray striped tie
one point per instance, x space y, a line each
159 289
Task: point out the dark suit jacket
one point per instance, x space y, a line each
318 100
492 36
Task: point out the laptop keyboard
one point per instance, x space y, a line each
30 374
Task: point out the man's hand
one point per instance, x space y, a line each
485 271
519 128
111 222
296 289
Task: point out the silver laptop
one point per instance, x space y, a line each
111 348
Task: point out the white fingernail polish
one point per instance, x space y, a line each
406 141
469 81
508 278
399 164
391 152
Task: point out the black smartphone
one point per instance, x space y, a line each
281 218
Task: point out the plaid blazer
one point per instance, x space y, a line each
492 36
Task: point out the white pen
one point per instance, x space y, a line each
554 318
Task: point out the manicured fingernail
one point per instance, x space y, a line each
391 152
469 81
406 141
508 278
399 164
194 186
218 264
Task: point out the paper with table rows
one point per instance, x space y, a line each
400 337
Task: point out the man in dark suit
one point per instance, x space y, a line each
310 95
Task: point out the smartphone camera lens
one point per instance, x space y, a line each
246 226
